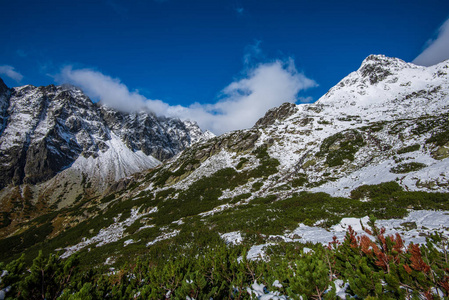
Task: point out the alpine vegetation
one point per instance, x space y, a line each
344 197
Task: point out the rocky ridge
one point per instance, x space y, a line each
53 136
386 114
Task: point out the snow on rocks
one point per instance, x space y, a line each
413 228
277 284
112 233
261 292
217 210
340 288
423 222
146 226
117 162
109 261
436 173
128 242
257 252
355 223
233 238
6 289
165 236
306 250
219 161
368 175
178 222
357 94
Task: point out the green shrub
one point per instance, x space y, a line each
256 186
341 146
108 198
407 167
46 278
300 180
440 138
385 189
160 178
264 200
242 162
197 264
16 244
408 149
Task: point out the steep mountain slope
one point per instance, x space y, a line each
4 103
376 143
47 128
159 137
386 116
57 146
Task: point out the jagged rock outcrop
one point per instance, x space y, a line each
46 129
4 103
157 136
278 113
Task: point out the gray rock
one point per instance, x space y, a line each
279 113
45 129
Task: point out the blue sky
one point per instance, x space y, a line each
220 62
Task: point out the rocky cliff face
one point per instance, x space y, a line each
157 136
277 114
4 103
45 130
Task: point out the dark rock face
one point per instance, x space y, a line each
279 113
4 103
159 137
45 129
36 143
376 68
3 87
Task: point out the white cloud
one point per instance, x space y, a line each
103 88
11 73
266 86
241 103
437 50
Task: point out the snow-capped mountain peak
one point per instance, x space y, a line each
356 134
48 129
391 87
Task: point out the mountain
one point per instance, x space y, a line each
388 121
57 144
376 144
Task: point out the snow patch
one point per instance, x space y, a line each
117 162
261 292
165 236
234 238
257 252
112 233
426 221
